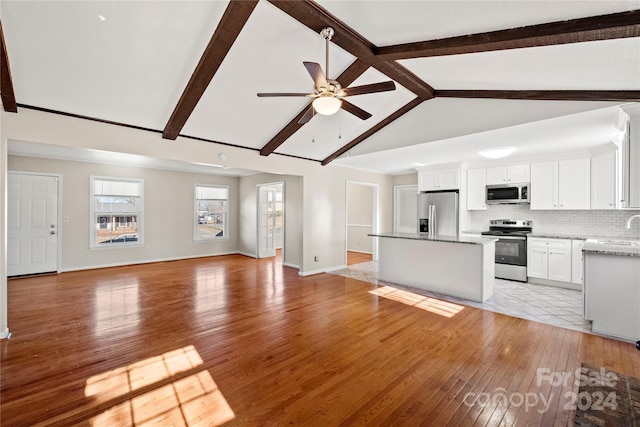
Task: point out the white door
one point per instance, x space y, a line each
406 209
266 221
32 224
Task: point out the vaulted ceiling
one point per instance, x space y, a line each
460 68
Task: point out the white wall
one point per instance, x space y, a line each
323 204
168 213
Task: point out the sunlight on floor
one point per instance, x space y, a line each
185 401
432 305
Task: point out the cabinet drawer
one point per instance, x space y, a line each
549 243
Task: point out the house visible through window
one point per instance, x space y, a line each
211 203
116 211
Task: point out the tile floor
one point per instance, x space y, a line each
546 304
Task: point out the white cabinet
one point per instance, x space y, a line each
604 185
445 179
476 189
561 185
574 182
506 174
544 186
577 270
549 259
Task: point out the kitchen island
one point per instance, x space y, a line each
458 266
612 288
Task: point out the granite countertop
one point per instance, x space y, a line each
560 236
449 239
610 249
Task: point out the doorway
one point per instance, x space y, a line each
270 220
362 220
32 224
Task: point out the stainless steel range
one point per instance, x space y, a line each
511 247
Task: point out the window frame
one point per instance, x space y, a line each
93 244
225 230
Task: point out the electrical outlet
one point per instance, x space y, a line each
316 258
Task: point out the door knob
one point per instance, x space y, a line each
53 232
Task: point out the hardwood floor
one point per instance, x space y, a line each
357 257
241 341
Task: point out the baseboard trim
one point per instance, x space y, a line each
360 252
5 334
326 270
149 261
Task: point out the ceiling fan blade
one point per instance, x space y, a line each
262 95
308 115
371 88
356 111
316 74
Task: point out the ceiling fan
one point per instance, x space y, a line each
328 94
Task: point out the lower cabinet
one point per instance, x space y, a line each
577 262
549 259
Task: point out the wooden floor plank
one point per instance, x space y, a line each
238 341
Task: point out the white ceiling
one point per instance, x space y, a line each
132 67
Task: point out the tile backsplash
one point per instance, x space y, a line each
578 223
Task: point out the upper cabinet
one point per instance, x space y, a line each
433 180
544 185
561 185
476 189
507 174
604 181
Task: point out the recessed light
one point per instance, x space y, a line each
102 18
497 152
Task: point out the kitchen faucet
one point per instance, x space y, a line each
628 226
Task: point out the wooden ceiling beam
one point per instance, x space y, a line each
315 17
603 27
399 113
233 20
6 83
545 95
349 75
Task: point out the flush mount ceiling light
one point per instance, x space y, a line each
326 104
497 153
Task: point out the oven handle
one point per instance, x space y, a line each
510 237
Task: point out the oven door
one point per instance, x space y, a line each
511 250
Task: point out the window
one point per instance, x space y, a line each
211 208
116 212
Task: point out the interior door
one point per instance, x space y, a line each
32 224
266 222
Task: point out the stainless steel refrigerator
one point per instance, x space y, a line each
438 212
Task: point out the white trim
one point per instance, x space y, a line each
360 252
286 264
360 225
326 270
149 261
5 334
248 254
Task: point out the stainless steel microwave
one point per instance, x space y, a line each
507 193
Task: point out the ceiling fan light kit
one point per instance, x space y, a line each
328 94
326 104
